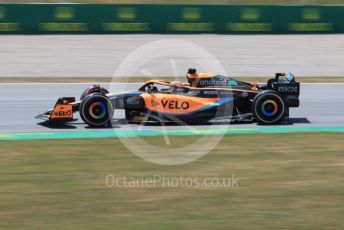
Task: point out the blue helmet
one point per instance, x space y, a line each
289 77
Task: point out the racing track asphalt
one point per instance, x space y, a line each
321 105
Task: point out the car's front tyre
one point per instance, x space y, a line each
96 110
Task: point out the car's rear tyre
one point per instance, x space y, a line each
93 89
96 110
268 107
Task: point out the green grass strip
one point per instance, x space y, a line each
172 132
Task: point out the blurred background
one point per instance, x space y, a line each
220 27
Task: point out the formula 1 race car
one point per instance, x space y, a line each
206 98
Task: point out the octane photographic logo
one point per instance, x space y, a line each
172 58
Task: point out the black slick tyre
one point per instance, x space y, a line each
96 110
268 107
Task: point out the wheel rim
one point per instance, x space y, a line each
97 110
269 108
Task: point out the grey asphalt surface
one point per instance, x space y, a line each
240 55
321 105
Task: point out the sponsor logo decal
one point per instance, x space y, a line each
210 92
138 118
288 89
133 101
154 103
62 111
183 105
211 82
194 93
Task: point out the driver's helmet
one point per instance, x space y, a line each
191 75
289 77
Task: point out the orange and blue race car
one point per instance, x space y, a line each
205 98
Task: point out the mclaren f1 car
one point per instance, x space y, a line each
205 98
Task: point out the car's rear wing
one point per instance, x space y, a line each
288 87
